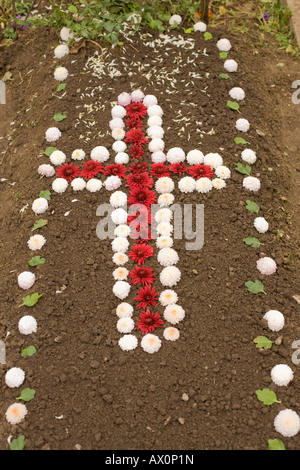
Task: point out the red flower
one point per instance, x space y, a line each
159 170
178 168
149 321
139 180
142 275
136 136
68 171
136 110
147 296
201 171
142 196
140 253
136 151
134 122
139 220
139 167
91 169
115 169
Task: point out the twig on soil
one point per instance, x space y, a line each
133 47
20 75
94 42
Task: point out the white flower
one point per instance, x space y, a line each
223 172
242 125
156 145
112 182
218 183
137 96
151 343
175 155
164 241
60 51
120 244
40 205
120 274
118 199
165 229
120 258
175 20
118 112
154 121
213 159
266 266
59 185
65 34
15 413
93 185
119 216
116 123
128 342
230 65
100 154
46 170
170 276
174 313
166 199
119 146
78 184
282 375
164 185
275 320
224 45
58 157
121 289
122 158
168 297
78 154
124 310
167 257
155 132
149 100
261 224
36 242
251 183
237 93
118 134
14 377
158 157
155 110
171 333
200 26
187 184
287 423
60 74
163 215
248 156
27 325
52 134
26 279
125 325
203 185
124 99
122 231
194 157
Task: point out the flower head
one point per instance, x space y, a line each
68 172
136 110
128 342
147 297
26 280
150 343
142 196
14 377
149 321
27 325
160 170
91 169
266 266
115 169
139 180
15 413
140 253
287 423
142 275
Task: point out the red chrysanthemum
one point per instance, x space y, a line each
142 196
139 214
160 170
68 171
141 275
149 321
115 169
139 180
147 296
201 171
140 253
136 136
136 110
138 167
91 169
178 168
136 151
134 122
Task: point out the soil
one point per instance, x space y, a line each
89 393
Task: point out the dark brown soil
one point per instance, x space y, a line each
88 391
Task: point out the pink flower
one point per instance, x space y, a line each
266 266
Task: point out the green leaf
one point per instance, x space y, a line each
255 287
224 76
240 140
268 397
252 207
223 55
189 30
31 300
61 87
252 241
207 36
39 224
59 117
49 150
27 394
233 105
276 444
36 260
242 168
28 352
72 9
46 194
18 444
262 342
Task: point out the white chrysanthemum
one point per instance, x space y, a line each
167 257
14 377
158 157
116 123
156 145
78 184
122 158
27 325
121 289
200 26
242 125
100 154
275 320
119 146
237 93
52 134
170 276
124 310
78 154
93 185
175 20
46 170
281 374
137 96
112 183
118 134
163 215
15 413
61 73
155 110
287 423
120 274
60 51
213 159
128 342
125 325
122 231
261 224
251 183
164 229
155 132
166 199
149 100
175 155
171 333
164 241
164 185
59 185
40 205
120 244
230 65
218 183
187 184
124 99
26 279
168 297
174 313
151 343
203 185
195 157
119 216
248 156
65 34
223 172
266 266
118 199
154 121
36 242
58 157
224 45
118 112
120 258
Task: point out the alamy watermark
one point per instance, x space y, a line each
296 94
